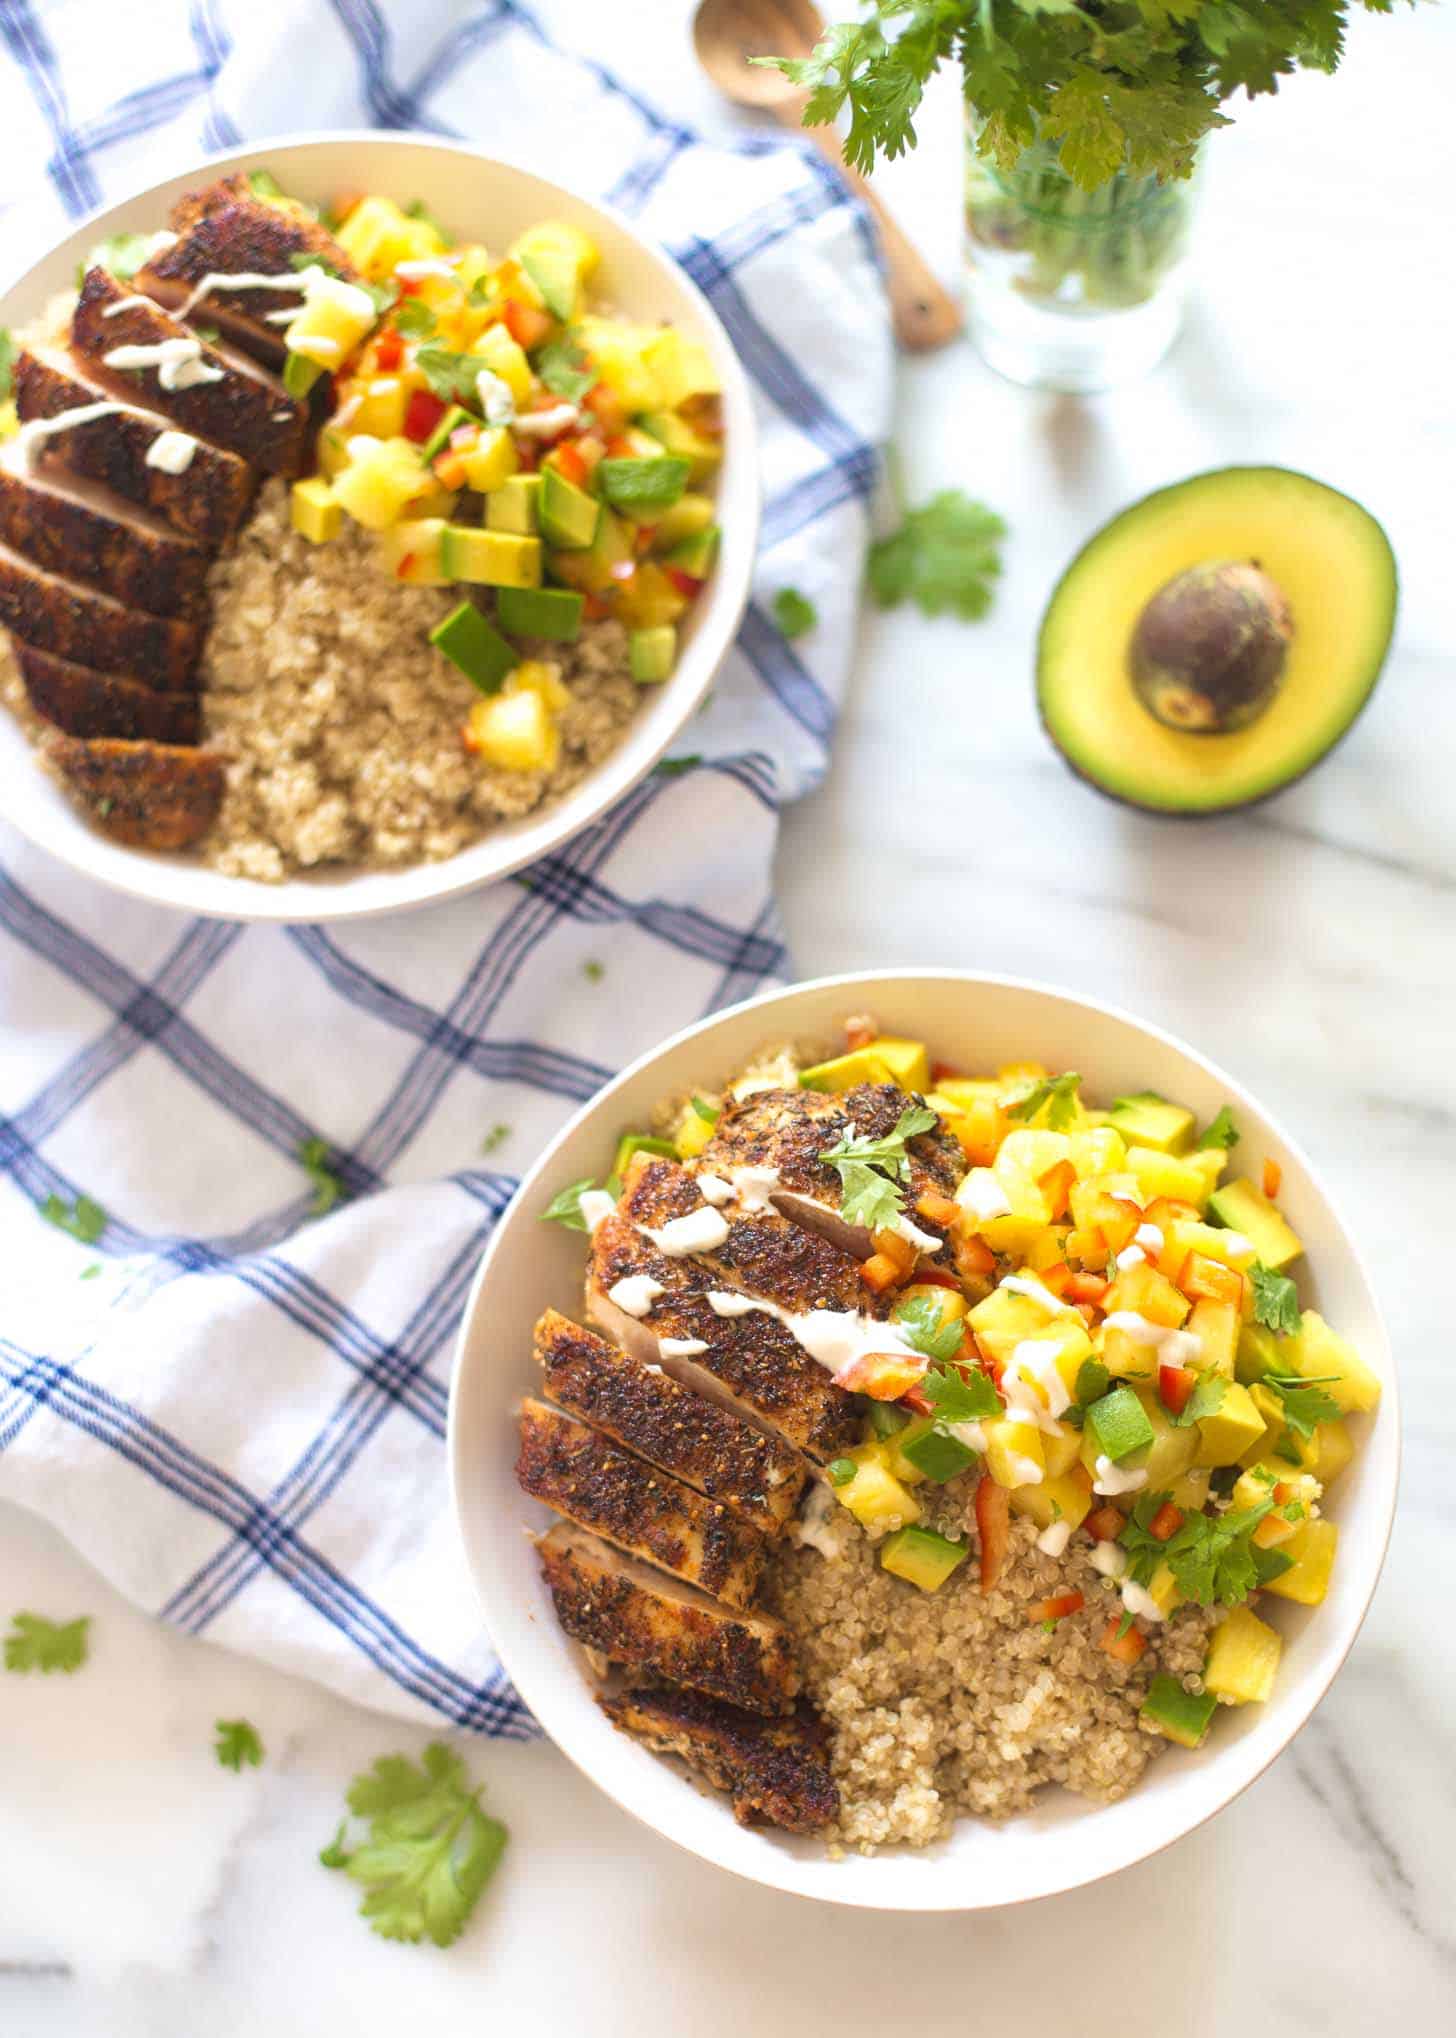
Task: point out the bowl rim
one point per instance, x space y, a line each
163 880
779 1869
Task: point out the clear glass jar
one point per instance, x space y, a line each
1072 289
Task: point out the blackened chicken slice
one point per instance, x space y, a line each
650 1623
236 403
206 500
147 795
88 703
775 1772
749 1362
90 628
641 1509
786 1133
228 230
81 528
652 1415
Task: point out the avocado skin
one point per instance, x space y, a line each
1163 810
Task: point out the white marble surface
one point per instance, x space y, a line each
145 1893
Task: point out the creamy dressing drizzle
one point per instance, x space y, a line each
754 1186
497 403
682 1347
596 1207
171 452
815 1524
834 1338
296 280
1130 1256
713 1189
983 1196
179 363
1112 1479
1149 1237
1032 1385
125 304
1053 1540
545 424
701 1231
428 265
635 1294
1028 1284
35 429
1108 1558
1137 1599
1173 1347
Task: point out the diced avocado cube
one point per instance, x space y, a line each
515 506
640 1142
1231 1430
490 558
932 1451
1243 1658
1258 1354
688 517
557 258
553 612
651 654
921 1557
1318 1353
885 1419
1150 1120
1243 1206
906 1062
1173 1449
678 436
643 489
569 516
1180 1715
696 555
469 641
439 438
1119 1425
591 569
1271 1410
300 374
1312 1551
313 511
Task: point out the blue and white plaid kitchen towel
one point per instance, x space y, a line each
237 1413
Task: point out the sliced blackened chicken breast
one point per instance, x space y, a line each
648 1622
88 703
572 1468
90 628
783 1134
657 1307
206 388
229 230
775 1771
83 529
205 499
147 795
652 1415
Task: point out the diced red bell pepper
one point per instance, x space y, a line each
643 537
937 1277
936 1209
1203 1278
1117 1219
1166 1522
421 415
1273 1178
406 562
993 1519
569 464
880 1272
1057 1607
884 1376
1056 1185
975 1258
607 408
388 350
1085 1287
943 1071
1175 1387
915 1398
685 583
1105 1524
620 448
1056 1277
526 325
1122 1648
596 607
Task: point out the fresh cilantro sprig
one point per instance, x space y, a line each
415 320
1057 1095
945 557
871 1169
1206 1399
82 1220
565 369
794 613
452 376
1093 1381
1220 1131
430 1851
237 1743
1129 85
565 1205
1213 1557
958 1396
918 1320
1276 1300
1305 1401
35 1643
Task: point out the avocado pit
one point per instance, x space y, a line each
1208 651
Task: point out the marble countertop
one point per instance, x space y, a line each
1310 946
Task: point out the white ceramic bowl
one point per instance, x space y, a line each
494 201
977 1022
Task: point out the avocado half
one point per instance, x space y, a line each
1332 570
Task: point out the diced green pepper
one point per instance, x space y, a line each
886 1420
921 1557
300 374
476 646
453 419
1120 1424
1176 1713
640 1142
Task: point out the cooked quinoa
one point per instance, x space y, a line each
341 724
950 1702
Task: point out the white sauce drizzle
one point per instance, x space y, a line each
1137 1599
179 363
1032 1385
125 304
816 1525
35 429
983 1196
296 280
754 1187
1149 1237
701 1231
1028 1284
713 1189
427 265
1108 1558
923 1241
544 424
1053 1540
1173 1347
1130 1256
682 1347
171 452
723 1302
596 1207
497 402
635 1294
1237 1244
1112 1479
836 1339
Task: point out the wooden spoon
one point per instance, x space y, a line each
727 35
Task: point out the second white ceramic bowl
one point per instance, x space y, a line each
491 201
975 1023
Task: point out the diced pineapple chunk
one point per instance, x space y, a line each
383 478
335 317
491 461
680 367
1100 1150
1023 1158
1014 1456
617 349
503 356
514 731
381 408
410 552
1185 1235
1333 1450
558 258
312 510
692 1135
1061 1448
1003 1319
1312 1546
1243 1658
874 1496
1317 1352
1165 1174
1216 1326
377 235
534 675
1064 1496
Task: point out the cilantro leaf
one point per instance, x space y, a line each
35 1643
871 1168
497 1136
1057 1095
565 1205
1219 1131
415 320
451 376
961 1396
121 254
593 971
841 1471
674 767
314 1158
1305 1401
1212 1556
944 557
1276 1300
237 1743
794 613
918 1321
82 1220
430 1850
1206 1399
565 369
709 1113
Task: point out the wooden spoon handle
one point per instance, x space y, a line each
925 314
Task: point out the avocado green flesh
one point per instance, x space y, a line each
1335 567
